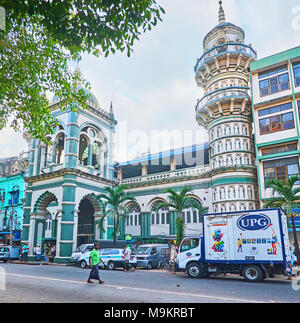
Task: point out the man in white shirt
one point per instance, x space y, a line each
38 253
127 257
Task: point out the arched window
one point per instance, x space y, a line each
236 129
192 214
250 193
83 150
60 150
160 217
2 196
96 156
242 192
133 218
231 192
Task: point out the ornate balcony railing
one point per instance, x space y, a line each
192 171
221 94
224 49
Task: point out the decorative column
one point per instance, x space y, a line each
145 224
66 222
26 215
72 139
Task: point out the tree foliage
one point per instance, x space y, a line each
286 196
112 202
31 66
93 26
40 40
179 201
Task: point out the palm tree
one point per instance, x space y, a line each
287 199
112 204
180 201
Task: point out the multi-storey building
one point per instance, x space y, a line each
11 194
275 83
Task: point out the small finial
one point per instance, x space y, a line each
111 112
221 13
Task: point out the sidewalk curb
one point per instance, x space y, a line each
36 263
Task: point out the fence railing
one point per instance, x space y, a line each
222 94
223 49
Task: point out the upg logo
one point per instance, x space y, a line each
252 222
2 18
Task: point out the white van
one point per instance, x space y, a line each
112 257
81 255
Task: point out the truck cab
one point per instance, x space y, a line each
189 256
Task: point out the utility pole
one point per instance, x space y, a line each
11 218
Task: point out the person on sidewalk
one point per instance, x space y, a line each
25 251
38 253
94 261
127 257
173 256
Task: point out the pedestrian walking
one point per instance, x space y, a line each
53 253
173 256
94 261
126 257
46 253
25 251
38 253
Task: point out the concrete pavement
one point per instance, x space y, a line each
26 283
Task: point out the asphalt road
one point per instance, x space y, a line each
46 283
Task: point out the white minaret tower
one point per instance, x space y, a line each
225 111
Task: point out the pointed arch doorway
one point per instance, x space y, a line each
86 222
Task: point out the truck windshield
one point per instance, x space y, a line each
189 244
143 250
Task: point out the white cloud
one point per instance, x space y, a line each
11 143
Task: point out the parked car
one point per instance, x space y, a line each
112 257
81 255
14 252
4 253
150 255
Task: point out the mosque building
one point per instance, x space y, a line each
64 178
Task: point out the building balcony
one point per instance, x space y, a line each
224 49
170 175
223 94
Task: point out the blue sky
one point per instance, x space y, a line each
155 88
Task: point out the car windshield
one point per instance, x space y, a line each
79 249
143 250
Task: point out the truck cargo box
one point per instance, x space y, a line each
248 236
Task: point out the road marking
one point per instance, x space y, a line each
144 289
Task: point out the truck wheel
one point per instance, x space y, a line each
111 265
149 266
194 270
83 264
253 273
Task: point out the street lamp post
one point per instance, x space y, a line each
11 219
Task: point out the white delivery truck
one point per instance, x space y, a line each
253 243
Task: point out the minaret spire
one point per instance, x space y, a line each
221 13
